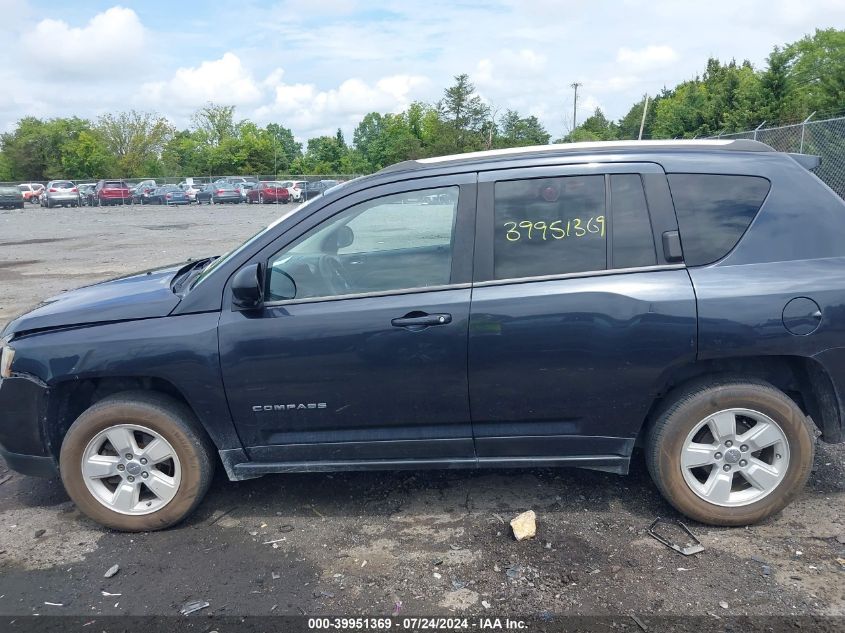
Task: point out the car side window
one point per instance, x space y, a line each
714 211
397 242
631 236
549 226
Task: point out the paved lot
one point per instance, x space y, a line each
362 543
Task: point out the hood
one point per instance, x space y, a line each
140 296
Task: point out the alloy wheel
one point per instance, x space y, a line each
131 469
735 457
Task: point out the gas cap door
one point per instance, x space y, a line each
802 316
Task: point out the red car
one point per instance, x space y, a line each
268 191
112 192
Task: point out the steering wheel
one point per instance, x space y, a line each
332 272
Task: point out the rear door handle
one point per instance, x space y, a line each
419 320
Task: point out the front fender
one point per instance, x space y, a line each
181 350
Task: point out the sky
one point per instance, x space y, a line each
314 66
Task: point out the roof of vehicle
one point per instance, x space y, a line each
740 145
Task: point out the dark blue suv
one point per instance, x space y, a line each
548 306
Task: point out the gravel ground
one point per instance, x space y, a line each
436 541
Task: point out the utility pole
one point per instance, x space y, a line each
575 85
642 123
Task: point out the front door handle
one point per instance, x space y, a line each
420 320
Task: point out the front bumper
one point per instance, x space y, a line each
23 410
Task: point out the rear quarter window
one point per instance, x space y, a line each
714 211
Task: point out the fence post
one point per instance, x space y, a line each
803 127
756 129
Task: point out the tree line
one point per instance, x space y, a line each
799 78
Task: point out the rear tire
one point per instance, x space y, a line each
722 490
188 468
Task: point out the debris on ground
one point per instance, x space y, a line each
193 606
219 514
111 571
514 572
397 607
723 604
106 594
5 479
54 604
524 526
39 533
286 528
485 604
688 549
275 575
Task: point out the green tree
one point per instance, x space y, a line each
286 147
816 73
87 157
214 123
596 127
516 131
135 139
462 117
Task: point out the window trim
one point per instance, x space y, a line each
579 275
485 222
610 216
368 295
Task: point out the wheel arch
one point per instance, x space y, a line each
68 399
802 378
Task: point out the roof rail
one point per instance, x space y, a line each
740 145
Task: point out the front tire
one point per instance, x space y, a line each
730 452
136 461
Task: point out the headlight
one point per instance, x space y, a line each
6 356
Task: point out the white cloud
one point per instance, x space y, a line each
224 80
648 57
112 40
316 111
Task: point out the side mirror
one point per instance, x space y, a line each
248 288
282 285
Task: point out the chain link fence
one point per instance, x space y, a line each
201 180
824 138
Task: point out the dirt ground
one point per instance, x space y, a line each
429 542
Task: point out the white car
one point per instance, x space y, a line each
295 188
190 190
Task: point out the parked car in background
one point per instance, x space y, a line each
86 194
141 192
294 188
268 191
232 180
169 195
38 190
60 193
244 188
11 197
190 190
111 192
316 188
29 193
219 193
